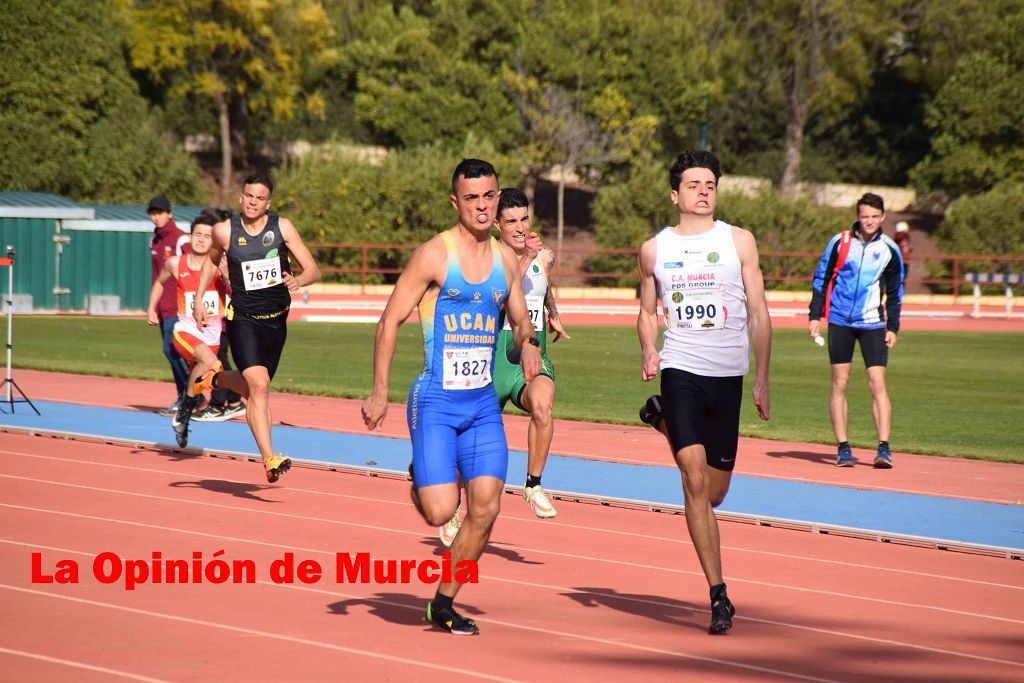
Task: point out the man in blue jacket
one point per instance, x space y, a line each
858 266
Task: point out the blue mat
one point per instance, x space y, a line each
950 519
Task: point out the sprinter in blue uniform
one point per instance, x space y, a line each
459 280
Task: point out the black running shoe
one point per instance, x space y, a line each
179 423
650 414
451 621
722 613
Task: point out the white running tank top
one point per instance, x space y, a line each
700 287
535 288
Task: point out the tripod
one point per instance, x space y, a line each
9 384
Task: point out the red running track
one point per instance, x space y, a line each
597 594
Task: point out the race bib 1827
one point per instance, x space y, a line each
467 368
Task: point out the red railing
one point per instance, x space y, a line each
943 272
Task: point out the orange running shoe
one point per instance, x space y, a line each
276 466
205 383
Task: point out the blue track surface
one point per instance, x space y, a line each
950 519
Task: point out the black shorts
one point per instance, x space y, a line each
703 410
872 345
257 342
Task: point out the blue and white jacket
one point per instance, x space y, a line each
856 300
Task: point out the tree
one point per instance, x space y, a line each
66 102
826 51
237 56
978 130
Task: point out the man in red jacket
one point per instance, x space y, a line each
168 240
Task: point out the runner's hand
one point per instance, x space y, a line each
555 325
762 400
650 365
374 411
199 313
291 283
890 339
151 317
530 361
533 245
813 327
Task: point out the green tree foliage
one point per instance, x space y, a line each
402 201
989 223
415 85
72 121
240 57
978 128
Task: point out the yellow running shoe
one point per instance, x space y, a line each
276 466
205 383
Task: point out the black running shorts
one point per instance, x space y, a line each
257 342
703 410
872 345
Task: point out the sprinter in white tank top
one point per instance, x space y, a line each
704 276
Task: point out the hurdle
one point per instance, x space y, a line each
979 279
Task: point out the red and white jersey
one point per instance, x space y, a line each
213 300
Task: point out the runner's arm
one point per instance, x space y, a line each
310 271
412 284
519 317
554 322
647 320
166 273
759 320
210 270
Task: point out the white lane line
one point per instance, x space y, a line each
79 665
568 589
531 520
253 632
647 567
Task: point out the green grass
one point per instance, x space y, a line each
953 393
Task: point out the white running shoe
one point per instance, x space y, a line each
539 501
448 532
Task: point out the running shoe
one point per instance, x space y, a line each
233 410
171 409
210 414
451 621
845 457
447 532
883 458
539 502
722 613
205 383
276 466
179 423
650 414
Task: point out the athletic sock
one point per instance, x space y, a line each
532 481
844 444
441 601
883 443
718 592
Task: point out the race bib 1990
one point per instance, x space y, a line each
694 310
467 368
211 302
262 273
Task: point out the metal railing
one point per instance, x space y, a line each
363 264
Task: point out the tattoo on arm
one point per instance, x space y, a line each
549 303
